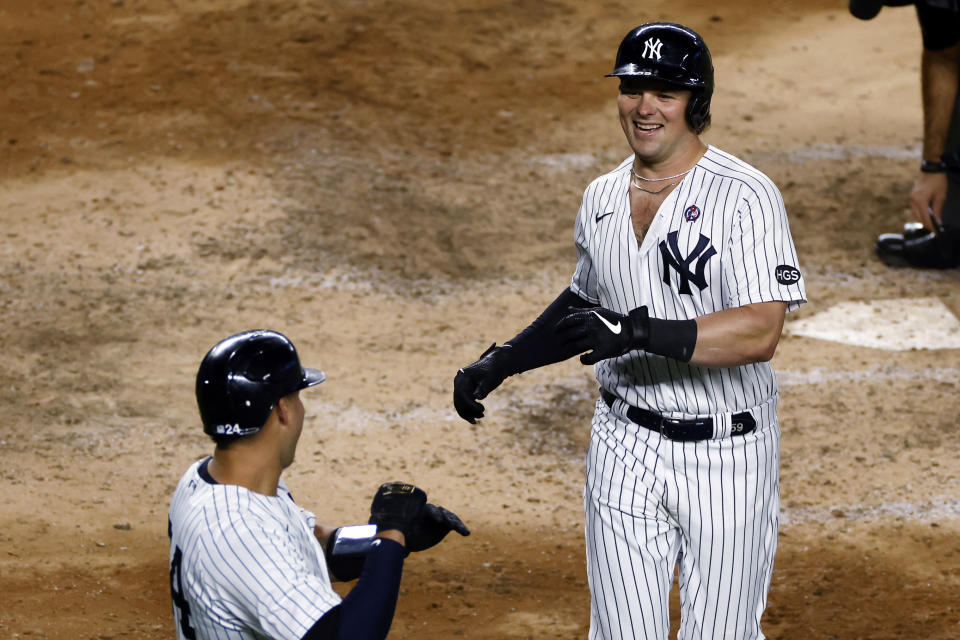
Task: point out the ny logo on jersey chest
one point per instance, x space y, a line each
674 259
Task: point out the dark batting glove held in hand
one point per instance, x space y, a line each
604 333
434 524
475 381
397 505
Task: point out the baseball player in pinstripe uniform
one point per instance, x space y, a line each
245 560
685 271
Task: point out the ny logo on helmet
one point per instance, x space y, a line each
651 48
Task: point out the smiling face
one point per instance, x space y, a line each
653 117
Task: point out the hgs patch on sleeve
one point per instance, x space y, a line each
787 275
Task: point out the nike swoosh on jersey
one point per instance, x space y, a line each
603 215
615 328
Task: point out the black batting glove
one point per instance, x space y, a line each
602 332
397 505
475 381
434 524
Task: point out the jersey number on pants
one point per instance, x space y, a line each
176 592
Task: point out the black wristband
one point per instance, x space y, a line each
673 338
938 166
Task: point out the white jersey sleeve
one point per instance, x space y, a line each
763 265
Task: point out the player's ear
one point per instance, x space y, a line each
283 410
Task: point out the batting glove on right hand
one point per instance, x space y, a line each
434 524
475 381
602 332
397 505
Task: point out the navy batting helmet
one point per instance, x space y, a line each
242 377
674 54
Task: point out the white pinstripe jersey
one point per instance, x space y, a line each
719 240
243 565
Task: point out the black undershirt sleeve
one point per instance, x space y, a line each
367 611
326 627
537 345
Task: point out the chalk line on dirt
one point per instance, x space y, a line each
822 151
942 508
886 373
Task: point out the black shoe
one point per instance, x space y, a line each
919 247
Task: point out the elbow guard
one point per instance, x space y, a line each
347 549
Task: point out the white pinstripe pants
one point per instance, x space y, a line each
711 506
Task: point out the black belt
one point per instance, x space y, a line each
682 430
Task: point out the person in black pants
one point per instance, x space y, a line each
933 240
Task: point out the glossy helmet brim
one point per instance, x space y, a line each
677 77
312 377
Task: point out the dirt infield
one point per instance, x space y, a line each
393 185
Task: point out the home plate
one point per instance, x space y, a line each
900 324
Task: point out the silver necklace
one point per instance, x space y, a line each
640 177
634 184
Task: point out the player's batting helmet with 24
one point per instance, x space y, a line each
673 54
242 377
